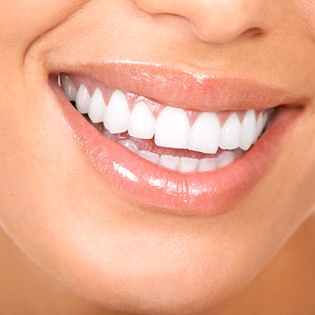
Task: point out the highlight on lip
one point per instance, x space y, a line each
180 140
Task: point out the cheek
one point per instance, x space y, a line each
306 11
22 22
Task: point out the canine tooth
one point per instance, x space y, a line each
142 122
172 128
149 156
129 145
97 107
207 164
83 100
259 126
117 113
188 165
248 130
225 158
68 87
170 162
205 134
231 133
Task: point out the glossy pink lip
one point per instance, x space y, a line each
157 188
185 89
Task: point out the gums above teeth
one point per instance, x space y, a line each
213 135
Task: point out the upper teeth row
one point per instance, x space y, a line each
172 127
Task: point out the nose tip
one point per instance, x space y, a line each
219 21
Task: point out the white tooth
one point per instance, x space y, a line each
170 162
207 164
231 133
265 118
142 122
205 134
68 88
117 113
172 128
97 107
129 145
248 130
225 158
259 125
188 165
83 99
149 156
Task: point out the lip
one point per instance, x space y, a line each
185 88
159 189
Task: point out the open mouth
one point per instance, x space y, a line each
174 138
173 141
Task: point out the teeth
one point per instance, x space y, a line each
149 156
117 113
188 165
259 125
83 100
266 117
142 122
172 128
184 164
170 162
97 107
225 158
205 134
68 87
248 130
231 133
208 164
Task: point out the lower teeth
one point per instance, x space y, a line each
189 165
182 164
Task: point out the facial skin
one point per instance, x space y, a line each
118 254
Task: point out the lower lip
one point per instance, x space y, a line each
160 189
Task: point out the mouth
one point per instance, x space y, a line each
173 141
174 138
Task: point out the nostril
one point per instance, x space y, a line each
253 32
219 37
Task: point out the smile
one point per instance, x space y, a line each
187 145
184 141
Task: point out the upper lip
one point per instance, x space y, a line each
186 89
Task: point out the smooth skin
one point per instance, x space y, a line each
71 244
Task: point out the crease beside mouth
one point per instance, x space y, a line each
173 138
